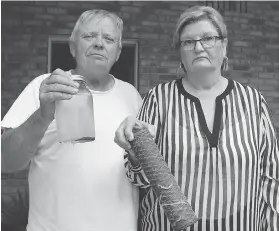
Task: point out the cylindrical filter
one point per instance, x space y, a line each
172 200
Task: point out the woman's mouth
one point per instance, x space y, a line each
199 58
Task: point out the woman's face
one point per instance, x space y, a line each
202 57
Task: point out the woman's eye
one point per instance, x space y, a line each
189 42
209 38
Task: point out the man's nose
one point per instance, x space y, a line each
98 43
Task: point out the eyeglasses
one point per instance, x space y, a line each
207 42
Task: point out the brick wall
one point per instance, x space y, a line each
253 46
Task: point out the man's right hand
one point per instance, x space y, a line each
58 86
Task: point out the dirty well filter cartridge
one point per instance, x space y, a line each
172 200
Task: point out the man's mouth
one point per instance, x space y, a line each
97 55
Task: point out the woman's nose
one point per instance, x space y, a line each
198 46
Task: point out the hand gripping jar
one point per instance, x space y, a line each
75 117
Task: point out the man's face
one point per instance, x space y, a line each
96 47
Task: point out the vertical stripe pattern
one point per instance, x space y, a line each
231 177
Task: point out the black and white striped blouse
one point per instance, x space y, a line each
230 176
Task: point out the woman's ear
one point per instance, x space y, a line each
225 62
224 46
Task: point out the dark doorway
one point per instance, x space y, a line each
60 56
126 68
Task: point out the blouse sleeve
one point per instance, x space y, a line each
269 154
149 114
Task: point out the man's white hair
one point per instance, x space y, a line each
91 15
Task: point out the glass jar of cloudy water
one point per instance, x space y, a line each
75 117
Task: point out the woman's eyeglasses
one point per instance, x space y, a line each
206 42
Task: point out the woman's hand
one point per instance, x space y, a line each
124 133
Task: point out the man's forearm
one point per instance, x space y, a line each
19 144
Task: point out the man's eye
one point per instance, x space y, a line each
109 39
88 36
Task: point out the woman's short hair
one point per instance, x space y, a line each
197 13
96 14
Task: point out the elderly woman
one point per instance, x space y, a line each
215 134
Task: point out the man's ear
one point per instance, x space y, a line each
118 53
72 48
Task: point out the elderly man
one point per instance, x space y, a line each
76 186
